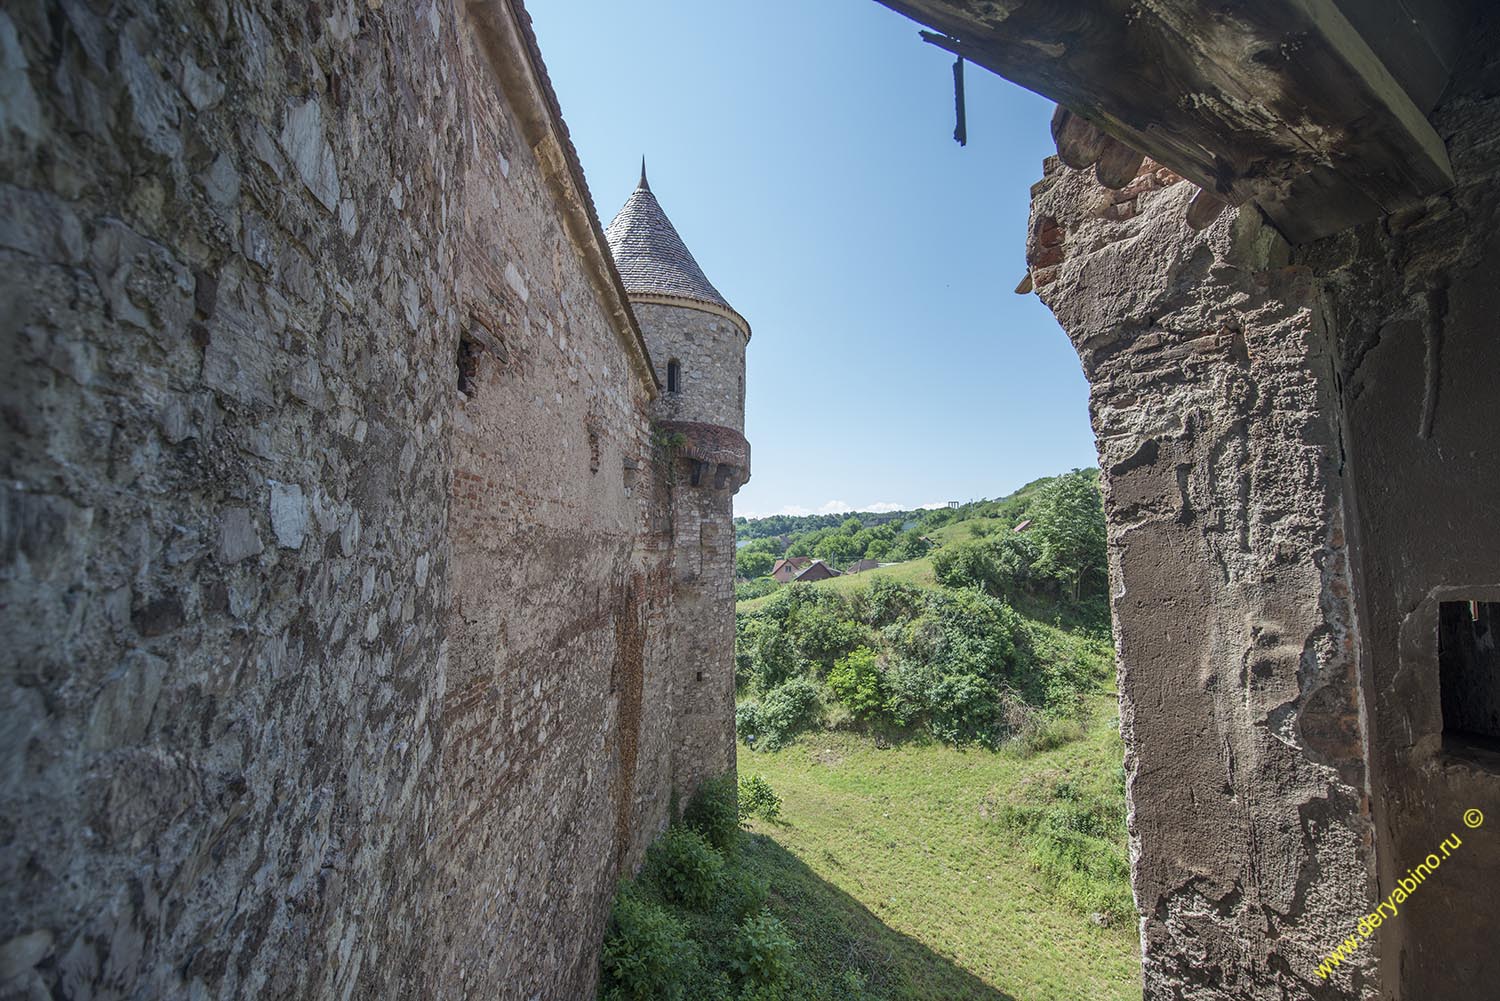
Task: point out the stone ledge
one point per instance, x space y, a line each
713 444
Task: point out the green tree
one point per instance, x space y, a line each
751 563
774 659
968 565
837 549
1068 530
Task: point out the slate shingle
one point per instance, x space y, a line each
650 256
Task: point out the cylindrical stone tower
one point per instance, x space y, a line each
697 345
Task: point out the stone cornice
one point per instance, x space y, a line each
698 304
712 443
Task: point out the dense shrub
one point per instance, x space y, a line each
909 686
823 636
713 811
683 867
963 566
763 952
782 713
965 709
747 721
998 565
758 799
774 659
856 681
757 587
646 954
887 601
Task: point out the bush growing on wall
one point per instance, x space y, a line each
695 925
646 955
763 955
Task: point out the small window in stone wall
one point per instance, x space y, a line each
674 376
1469 670
468 364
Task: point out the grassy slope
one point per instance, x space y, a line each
907 834
894 865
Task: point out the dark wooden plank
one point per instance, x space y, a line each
1241 97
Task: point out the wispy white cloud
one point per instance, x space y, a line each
839 507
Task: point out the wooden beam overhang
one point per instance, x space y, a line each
1288 103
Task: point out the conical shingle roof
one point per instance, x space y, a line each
651 257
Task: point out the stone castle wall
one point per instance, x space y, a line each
337 564
703 633
711 349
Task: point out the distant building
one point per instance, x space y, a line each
1022 526
817 570
861 565
786 569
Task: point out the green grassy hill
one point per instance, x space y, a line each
910 847
952 812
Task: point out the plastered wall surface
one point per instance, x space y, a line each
1214 409
1413 301
323 679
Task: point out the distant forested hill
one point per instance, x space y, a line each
892 536
791 524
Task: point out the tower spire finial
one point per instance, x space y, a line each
643 184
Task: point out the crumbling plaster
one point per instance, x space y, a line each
1241 706
1413 300
1298 463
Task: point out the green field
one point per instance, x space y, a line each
901 847
948 761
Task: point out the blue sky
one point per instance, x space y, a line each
804 151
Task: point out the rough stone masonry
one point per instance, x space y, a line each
1297 448
343 574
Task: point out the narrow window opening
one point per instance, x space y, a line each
1469 670
700 675
468 364
674 376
